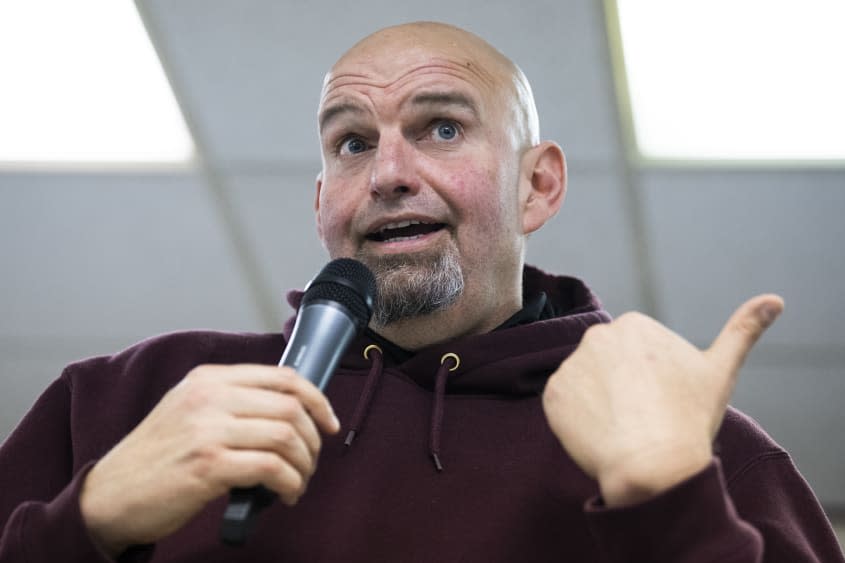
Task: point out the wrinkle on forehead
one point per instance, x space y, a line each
384 77
389 56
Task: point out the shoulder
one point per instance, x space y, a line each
168 357
742 444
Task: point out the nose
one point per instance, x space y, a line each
393 173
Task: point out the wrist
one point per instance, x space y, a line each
99 522
650 473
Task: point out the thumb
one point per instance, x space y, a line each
743 329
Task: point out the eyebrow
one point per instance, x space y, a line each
445 99
333 112
424 99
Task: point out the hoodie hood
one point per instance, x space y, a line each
511 361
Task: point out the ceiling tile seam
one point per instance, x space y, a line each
629 188
267 309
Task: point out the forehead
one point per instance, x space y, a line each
394 74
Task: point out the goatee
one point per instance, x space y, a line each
412 285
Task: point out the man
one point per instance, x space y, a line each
459 444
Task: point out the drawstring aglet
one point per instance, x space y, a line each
349 437
437 463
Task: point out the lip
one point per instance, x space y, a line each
405 245
379 224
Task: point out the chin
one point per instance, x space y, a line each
411 285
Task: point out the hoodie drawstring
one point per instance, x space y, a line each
449 362
437 410
363 406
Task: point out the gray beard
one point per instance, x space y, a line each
410 286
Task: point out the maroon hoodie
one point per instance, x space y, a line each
505 491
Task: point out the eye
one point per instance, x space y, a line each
445 130
352 145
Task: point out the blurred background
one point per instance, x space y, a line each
675 208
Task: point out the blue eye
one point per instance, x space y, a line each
353 145
446 130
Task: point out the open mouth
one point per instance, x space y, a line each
404 230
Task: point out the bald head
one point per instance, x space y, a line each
388 52
433 175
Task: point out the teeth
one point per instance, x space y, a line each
399 225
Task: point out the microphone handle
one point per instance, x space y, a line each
320 336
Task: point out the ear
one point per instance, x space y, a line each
542 184
317 206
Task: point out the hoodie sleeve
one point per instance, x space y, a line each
40 518
765 514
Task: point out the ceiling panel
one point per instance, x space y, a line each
277 213
592 238
250 78
719 237
115 254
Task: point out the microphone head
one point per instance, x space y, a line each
347 282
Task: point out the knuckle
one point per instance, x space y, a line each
631 317
269 467
747 327
289 407
283 436
204 459
593 330
200 371
297 483
312 468
197 395
287 480
552 392
596 332
288 375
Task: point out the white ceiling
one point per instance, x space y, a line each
95 260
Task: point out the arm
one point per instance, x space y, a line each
766 513
220 427
38 491
637 407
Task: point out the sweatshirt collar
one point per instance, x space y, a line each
534 309
489 361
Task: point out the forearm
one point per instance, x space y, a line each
54 531
693 522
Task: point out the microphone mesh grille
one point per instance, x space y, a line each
347 282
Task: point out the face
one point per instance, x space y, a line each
420 171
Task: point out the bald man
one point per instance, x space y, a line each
492 412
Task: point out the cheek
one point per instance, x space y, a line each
481 198
335 219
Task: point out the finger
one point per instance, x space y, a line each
281 379
743 329
314 401
254 402
249 402
290 410
281 438
247 468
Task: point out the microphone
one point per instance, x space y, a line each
337 305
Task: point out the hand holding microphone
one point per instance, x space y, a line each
336 306
229 426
